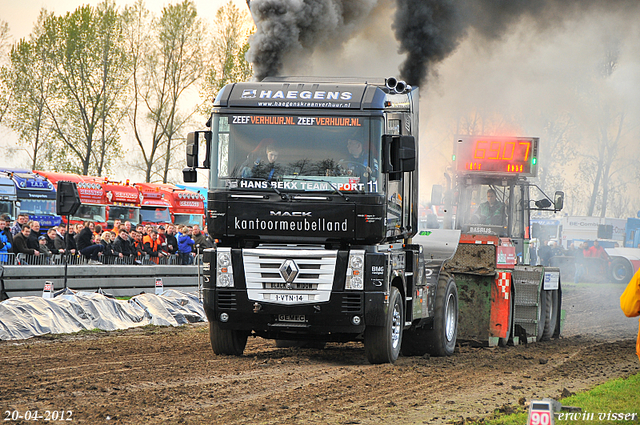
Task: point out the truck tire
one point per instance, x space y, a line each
441 340
552 318
382 343
227 341
544 313
621 270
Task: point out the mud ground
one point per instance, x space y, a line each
170 375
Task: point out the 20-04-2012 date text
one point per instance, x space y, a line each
36 415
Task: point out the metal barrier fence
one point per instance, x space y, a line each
25 275
77 259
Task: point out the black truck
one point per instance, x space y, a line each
313 200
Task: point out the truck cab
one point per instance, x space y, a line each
36 196
507 297
313 194
8 196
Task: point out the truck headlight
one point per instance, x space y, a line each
224 259
355 271
224 274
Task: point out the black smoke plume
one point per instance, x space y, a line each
287 28
428 30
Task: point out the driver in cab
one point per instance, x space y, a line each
491 212
357 163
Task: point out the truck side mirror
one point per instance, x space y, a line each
398 154
387 142
406 153
190 175
558 202
192 150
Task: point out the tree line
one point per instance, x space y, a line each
82 82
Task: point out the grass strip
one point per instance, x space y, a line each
619 396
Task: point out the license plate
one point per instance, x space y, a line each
278 285
298 318
290 298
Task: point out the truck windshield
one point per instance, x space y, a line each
296 153
6 207
38 206
485 205
96 213
155 215
188 219
124 214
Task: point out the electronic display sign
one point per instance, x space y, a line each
496 155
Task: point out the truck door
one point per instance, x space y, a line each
398 191
519 225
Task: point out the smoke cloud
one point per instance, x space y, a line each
428 31
286 29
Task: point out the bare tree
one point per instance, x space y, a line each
167 64
232 28
91 67
30 81
5 93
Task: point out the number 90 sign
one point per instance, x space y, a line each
540 413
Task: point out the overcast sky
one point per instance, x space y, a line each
22 14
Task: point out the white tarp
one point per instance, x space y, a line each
26 317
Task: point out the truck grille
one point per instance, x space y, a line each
310 274
527 287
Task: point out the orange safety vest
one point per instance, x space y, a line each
155 246
630 302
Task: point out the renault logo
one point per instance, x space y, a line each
289 270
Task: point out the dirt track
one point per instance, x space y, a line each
169 375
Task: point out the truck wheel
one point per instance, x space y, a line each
544 313
552 318
382 343
227 341
621 271
441 340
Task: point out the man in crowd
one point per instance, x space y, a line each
64 243
32 242
136 243
44 249
6 231
122 246
172 242
20 221
6 240
199 239
50 240
85 245
20 243
162 237
116 225
597 251
151 246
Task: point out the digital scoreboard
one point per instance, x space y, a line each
496 155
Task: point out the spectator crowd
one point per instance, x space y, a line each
89 242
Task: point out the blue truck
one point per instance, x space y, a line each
8 196
35 196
